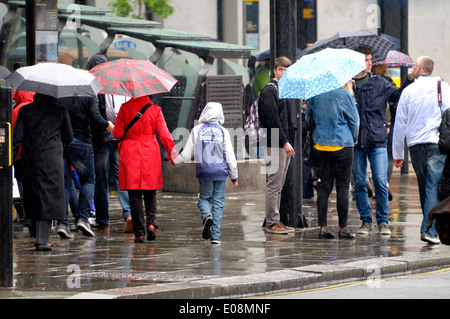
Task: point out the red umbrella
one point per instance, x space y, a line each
132 78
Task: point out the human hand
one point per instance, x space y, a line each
398 163
289 149
235 184
110 127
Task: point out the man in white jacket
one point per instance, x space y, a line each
418 118
210 146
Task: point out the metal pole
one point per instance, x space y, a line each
6 201
30 13
283 21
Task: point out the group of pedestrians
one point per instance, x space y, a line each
91 135
350 131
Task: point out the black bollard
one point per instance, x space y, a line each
6 189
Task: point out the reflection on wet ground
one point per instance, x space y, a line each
113 260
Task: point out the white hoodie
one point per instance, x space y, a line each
206 138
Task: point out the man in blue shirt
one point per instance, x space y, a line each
418 118
372 92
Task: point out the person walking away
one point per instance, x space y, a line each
40 130
336 132
106 157
211 147
84 113
371 93
274 115
418 119
140 171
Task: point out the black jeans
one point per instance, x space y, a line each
333 167
137 210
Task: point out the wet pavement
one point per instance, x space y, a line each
180 264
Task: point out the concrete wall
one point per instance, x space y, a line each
252 177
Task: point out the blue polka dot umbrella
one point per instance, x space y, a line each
320 72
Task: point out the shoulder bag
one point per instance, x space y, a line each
135 119
308 143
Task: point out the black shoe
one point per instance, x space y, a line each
40 247
207 223
151 232
347 234
326 235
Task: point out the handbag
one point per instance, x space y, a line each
308 143
135 119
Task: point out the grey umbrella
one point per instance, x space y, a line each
352 40
54 79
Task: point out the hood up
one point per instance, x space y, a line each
212 113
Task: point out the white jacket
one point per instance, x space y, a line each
210 132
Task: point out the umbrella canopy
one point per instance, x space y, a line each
352 40
54 79
133 78
396 59
320 72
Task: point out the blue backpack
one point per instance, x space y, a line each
210 159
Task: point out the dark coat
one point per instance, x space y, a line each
276 114
371 101
41 128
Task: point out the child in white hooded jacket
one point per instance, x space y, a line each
210 146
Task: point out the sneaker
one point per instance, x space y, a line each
92 221
85 228
384 229
278 228
128 225
98 226
215 241
364 229
207 223
151 232
429 239
64 232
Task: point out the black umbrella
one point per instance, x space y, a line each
353 40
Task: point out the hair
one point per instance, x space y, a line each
426 63
349 87
282 61
364 50
379 69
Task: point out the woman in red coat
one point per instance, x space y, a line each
140 171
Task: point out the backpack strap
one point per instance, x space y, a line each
439 92
135 119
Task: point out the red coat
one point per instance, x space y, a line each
139 152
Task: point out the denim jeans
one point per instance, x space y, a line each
378 163
106 157
80 155
428 164
211 202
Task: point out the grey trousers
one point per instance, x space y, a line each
277 164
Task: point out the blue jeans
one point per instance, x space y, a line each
80 155
211 202
378 164
106 157
428 164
